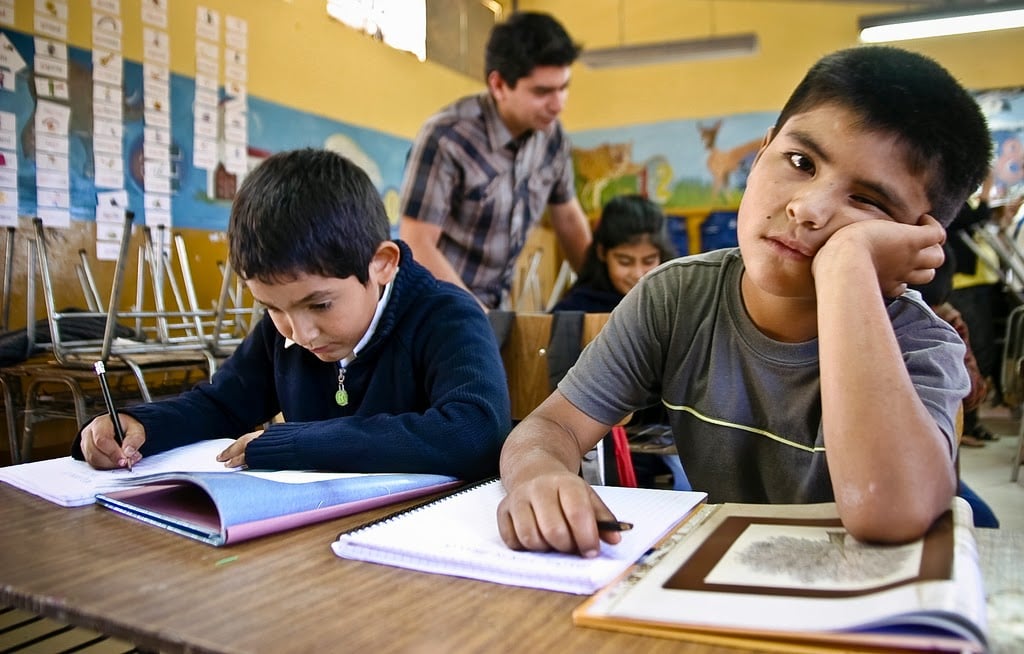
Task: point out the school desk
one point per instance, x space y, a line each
283 593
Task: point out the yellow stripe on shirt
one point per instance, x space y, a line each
754 430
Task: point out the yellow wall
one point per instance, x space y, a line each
792 34
298 57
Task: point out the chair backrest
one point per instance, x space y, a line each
73 332
164 329
527 353
1012 373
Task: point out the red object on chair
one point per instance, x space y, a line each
623 458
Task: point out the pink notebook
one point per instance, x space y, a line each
224 508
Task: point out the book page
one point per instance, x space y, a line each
775 557
68 482
791 572
459 536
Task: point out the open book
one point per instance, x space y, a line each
791 578
221 509
458 535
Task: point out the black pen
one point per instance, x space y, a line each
613 525
101 372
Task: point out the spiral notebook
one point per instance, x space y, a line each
458 535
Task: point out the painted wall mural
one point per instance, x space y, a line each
697 169
683 165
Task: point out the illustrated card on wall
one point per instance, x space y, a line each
207 23
8 131
108 67
7 12
47 88
51 58
109 6
154 12
110 215
156 45
51 19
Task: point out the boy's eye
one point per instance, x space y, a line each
864 200
801 162
871 202
320 306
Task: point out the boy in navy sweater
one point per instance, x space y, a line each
374 364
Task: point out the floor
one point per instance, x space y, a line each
987 469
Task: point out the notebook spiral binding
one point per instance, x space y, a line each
421 505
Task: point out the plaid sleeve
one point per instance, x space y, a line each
564 189
429 179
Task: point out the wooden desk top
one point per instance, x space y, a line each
283 593
288 592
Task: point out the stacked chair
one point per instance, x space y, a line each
165 343
1004 241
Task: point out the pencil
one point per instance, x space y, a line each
613 525
108 399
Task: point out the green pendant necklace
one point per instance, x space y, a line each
341 397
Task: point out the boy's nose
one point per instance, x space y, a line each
303 331
811 209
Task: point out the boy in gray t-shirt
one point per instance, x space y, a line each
796 368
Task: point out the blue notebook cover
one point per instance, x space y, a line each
221 508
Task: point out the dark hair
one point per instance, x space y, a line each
527 40
624 219
306 211
913 97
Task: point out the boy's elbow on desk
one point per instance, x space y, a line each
887 521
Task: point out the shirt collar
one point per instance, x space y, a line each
497 132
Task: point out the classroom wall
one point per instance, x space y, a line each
308 75
300 59
686 133
792 35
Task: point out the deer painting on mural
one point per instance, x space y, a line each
722 163
600 165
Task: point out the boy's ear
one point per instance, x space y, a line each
764 143
496 85
599 250
384 263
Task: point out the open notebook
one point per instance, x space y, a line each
458 535
222 509
69 482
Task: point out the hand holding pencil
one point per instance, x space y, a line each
115 446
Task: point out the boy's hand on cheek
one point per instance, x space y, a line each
899 253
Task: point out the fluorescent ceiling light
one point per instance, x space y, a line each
670 51
925 24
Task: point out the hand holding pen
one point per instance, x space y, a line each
101 372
